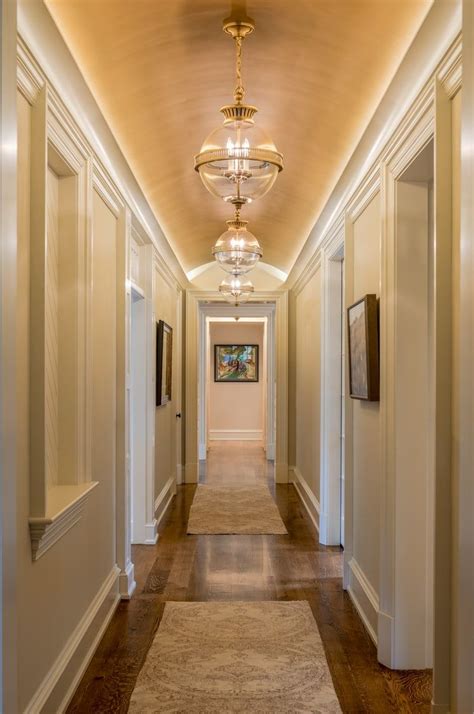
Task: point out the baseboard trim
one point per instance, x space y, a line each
164 499
59 685
235 435
385 639
151 533
365 599
127 582
307 497
440 708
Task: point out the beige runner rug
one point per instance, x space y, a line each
234 509
216 657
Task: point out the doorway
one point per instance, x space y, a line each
138 413
239 412
331 529
414 415
236 410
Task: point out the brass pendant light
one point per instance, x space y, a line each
236 289
237 250
238 162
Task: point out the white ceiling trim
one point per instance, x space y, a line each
270 269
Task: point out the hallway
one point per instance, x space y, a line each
237 337
205 568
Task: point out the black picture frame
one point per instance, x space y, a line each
236 380
363 349
164 363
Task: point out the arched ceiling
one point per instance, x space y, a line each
161 69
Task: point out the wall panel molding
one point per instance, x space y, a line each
59 439
58 687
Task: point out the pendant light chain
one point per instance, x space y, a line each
239 89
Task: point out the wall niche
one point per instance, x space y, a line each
59 301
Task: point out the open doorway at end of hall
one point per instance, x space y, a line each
237 410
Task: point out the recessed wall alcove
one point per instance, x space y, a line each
59 302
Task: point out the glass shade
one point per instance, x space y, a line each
238 162
237 250
236 289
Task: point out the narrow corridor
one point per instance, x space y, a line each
233 567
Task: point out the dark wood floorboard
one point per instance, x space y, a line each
235 567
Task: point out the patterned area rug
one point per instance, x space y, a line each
235 509
259 657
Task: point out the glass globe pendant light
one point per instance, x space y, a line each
236 289
237 250
238 162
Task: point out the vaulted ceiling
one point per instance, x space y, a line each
161 69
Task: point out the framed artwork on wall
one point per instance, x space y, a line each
164 363
363 349
236 363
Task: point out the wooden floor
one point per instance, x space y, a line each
235 567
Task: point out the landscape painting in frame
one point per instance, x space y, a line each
363 350
236 363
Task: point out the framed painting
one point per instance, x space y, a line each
236 363
363 349
164 363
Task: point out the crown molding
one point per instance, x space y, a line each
44 58
162 268
330 238
105 187
435 51
309 271
30 80
450 72
139 235
366 192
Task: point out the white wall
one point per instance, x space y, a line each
236 411
308 384
463 581
366 444
67 595
9 357
166 424
389 578
56 591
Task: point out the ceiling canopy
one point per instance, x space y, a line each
161 70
